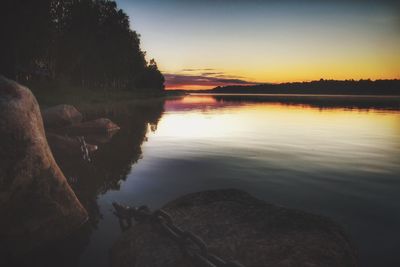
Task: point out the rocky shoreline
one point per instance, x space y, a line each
38 206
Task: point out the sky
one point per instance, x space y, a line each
209 43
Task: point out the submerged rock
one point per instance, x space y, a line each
237 226
101 138
36 203
65 147
61 116
98 126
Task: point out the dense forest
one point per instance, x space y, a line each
327 87
86 43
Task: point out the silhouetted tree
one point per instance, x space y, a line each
26 27
150 77
82 42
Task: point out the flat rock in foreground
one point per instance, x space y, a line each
37 205
237 226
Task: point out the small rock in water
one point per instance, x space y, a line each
66 147
98 126
61 116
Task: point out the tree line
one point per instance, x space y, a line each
87 43
326 87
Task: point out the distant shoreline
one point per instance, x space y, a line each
295 95
385 102
321 87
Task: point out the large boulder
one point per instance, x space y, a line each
61 116
37 205
237 226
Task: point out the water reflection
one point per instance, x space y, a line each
206 101
335 157
109 166
342 161
320 101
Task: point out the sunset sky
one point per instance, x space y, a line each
203 44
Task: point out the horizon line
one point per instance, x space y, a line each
274 83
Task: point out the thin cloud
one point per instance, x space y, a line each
185 80
212 73
198 70
229 76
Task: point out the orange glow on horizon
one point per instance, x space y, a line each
188 87
310 62
193 99
194 87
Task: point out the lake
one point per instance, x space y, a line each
335 156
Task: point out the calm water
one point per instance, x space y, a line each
327 157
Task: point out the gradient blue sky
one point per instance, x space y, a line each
201 44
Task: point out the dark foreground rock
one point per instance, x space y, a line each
98 126
36 203
61 116
237 226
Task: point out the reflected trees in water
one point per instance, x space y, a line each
110 165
